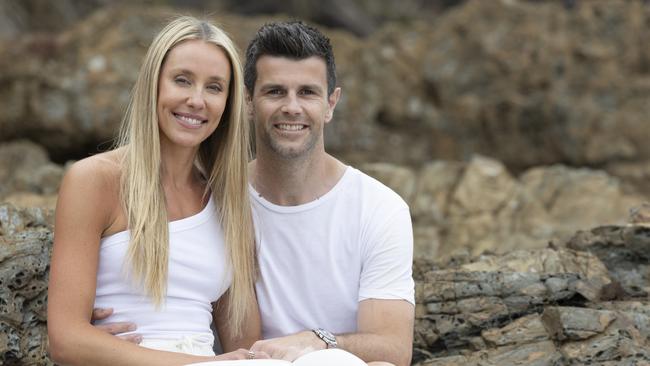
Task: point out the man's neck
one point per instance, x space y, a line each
292 182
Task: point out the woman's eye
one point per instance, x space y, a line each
181 80
215 88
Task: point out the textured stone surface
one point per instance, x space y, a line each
25 244
529 307
522 92
456 207
479 206
25 167
533 307
625 251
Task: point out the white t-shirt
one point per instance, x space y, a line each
319 259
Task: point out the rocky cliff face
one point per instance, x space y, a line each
523 82
583 303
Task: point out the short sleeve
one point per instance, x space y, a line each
387 252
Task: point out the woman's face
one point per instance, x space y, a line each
192 93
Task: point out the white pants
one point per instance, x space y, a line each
188 344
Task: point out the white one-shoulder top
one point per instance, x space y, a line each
198 274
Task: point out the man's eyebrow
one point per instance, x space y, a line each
271 86
312 86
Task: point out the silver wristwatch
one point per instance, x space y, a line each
327 337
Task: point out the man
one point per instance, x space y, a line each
334 245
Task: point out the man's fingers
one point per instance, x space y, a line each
117 328
257 346
101 313
133 338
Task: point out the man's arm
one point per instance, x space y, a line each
385 333
115 328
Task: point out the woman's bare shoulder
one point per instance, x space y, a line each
92 185
98 172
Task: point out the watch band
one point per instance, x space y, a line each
327 337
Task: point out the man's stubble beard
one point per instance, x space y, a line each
276 146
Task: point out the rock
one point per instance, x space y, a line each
28 200
620 341
461 86
398 178
74 105
460 303
597 196
634 175
576 323
625 251
537 354
585 264
534 307
527 329
25 166
435 182
484 187
25 245
640 214
426 241
522 93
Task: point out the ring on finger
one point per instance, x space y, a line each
251 355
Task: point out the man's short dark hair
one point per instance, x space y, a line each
295 40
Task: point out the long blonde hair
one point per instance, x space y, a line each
222 157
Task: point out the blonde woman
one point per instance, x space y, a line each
160 227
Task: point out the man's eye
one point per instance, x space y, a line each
274 92
307 92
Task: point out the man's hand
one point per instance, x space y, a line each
115 328
290 347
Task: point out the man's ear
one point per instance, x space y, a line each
249 105
332 99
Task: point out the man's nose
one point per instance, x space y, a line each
292 104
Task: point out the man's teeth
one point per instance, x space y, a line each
289 127
189 121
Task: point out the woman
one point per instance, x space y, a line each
160 227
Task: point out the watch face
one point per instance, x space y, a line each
327 337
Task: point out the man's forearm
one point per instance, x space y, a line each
375 347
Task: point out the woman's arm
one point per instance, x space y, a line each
250 333
85 208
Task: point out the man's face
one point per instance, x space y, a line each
290 105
